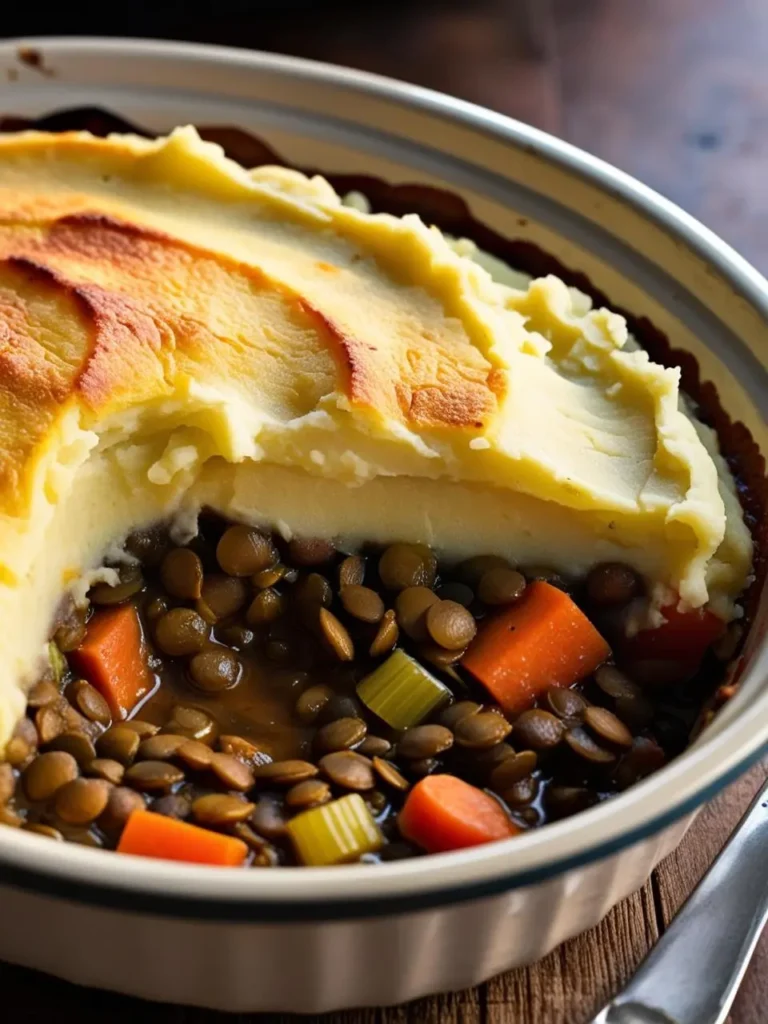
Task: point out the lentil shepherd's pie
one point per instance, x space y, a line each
325 536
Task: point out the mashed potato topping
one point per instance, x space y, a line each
177 332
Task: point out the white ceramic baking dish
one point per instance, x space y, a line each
318 939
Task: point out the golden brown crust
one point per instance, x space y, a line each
142 305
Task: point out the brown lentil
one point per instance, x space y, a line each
121 804
221 596
520 793
645 757
75 743
481 731
195 754
243 551
309 793
425 766
141 728
374 746
612 584
181 573
130 583
48 773
7 783
89 702
341 705
232 772
105 768
511 770
537 730
405 565
608 727
362 603
636 712
566 703
424 741
312 701
500 586
193 723
581 743
458 592
310 594
42 694
342 734
348 769
473 569
181 631
266 607
221 809
214 670
25 730
81 801
285 773
389 774
440 657
268 818
386 635
376 800
450 625
50 723
119 743
613 682
278 651
156 608
306 551
160 748
243 749
336 636
563 801
489 758
153 776
173 805
411 607
351 572
148 546
453 714
71 632
269 577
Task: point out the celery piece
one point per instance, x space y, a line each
57 661
335 833
401 691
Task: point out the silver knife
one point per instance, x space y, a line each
693 972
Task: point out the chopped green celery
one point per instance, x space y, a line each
335 833
58 662
401 691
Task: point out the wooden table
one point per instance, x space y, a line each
676 92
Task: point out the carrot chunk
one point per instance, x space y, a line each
682 638
445 813
154 835
542 640
113 659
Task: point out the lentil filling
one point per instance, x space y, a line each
242 700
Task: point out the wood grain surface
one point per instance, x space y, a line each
673 91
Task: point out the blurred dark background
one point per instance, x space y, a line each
674 91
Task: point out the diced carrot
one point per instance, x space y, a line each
112 658
542 640
154 835
683 638
444 813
